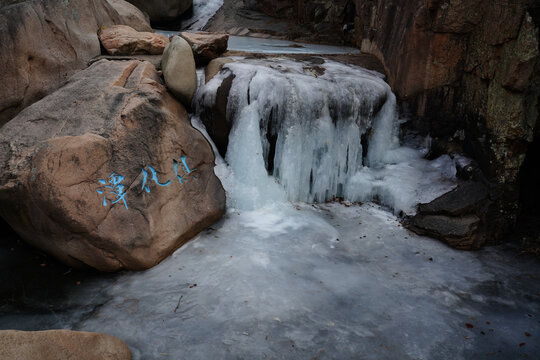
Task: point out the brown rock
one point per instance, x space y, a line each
124 40
206 46
111 125
43 43
214 67
61 345
131 15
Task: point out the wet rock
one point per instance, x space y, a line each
61 345
124 40
206 46
163 11
460 201
215 67
107 172
450 216
131 15
458 232
179 70
43 43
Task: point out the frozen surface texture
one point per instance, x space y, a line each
322 130
329 281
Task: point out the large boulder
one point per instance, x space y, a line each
132 15
163 11
61 345
206 46
124 40
179 70
107 172
43 43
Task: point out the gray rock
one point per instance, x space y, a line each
457 232
463 199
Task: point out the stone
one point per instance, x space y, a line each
214 67
458 232
124 40
61 345
43 43
179 70
163 11
113 124
460 201
131 15
206 46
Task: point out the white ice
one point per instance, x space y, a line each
278 46
301 282
319 113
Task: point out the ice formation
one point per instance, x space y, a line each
203 10
303 122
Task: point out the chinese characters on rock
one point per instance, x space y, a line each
113 184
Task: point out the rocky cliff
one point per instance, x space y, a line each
467 67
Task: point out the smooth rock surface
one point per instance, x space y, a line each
214 67
124 40
459 201
206 46
61 345
457 232
131 15
179 70
43 43
114 125
163 11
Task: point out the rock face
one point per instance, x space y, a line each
179 70
124 40
463 65
61 345
107 172
163 11
42 43
131 15
206 46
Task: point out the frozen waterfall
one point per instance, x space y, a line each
313 131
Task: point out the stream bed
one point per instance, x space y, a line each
280 277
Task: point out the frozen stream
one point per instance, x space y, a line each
325 282
281 279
